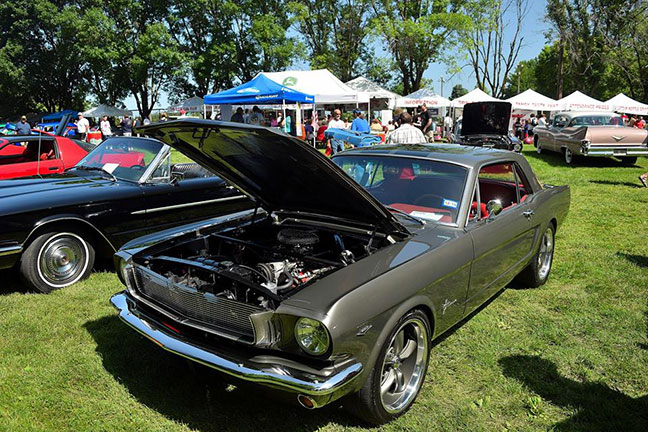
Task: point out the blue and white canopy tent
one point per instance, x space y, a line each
261 90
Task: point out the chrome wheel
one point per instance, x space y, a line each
545 254
62 260
569 157
403 368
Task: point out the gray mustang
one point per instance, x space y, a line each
330 286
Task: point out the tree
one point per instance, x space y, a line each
416 33
492 54
336 34
457 91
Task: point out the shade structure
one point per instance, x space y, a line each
106 110
191 105
422 96
321 83
59 115
371 90
476 95
533 101
626 104
578 101
259 90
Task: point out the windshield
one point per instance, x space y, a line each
126 159
428 190
597 120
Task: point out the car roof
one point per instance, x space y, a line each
469 156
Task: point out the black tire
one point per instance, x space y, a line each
629 160
55 260
368 404
568 156
537 272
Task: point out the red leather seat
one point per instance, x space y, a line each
482 207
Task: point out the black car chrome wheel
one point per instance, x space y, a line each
55 260
537 272
399 372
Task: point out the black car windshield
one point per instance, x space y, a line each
597 120
428 190
126 159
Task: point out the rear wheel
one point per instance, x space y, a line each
396 378
569 156
537 272
56 260
629 160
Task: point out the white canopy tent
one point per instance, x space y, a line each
625 104
191 105
578 101
531 100
321 83
423 96
370 90
476 95
106 110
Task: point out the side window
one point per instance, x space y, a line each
498 182
163 172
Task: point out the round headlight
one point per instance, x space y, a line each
312 336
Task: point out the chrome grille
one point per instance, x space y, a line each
205 307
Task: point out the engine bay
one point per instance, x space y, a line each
260 263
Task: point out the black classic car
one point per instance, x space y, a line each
54 226
486 124
332 287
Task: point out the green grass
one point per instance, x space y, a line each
571 355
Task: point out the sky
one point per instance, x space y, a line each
534 40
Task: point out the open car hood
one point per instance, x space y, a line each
486 118
279 172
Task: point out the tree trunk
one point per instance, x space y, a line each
559 78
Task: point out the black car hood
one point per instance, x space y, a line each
51 184
486 118
280 172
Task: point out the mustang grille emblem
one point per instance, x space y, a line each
617 138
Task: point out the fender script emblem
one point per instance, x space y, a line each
617 138
446 304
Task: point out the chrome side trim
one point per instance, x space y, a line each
274 375
10 250
177 206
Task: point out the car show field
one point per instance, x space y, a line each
570 355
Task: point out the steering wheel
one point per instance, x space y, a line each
426 198
136 167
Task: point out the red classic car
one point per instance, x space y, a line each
29 155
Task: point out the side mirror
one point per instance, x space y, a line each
176 177
494 207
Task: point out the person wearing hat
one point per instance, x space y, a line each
359 124
83 126
23 128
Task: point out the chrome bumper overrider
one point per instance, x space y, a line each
321 388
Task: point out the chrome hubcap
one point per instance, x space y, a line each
568 155
545 254
62 260
404 366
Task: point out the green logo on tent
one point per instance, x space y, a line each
289 81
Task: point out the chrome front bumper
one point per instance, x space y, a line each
321 386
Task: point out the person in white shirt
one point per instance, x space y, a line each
542 120
104 125
447 125
406 132
83 126
336 123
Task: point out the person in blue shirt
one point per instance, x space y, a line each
359 124
22 127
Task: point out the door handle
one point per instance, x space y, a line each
527 214
53 168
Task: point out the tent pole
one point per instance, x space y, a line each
283 107
204 111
